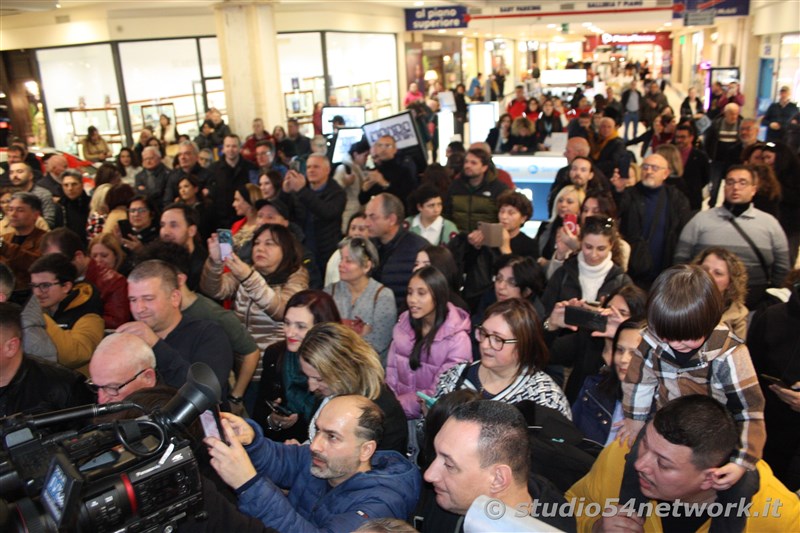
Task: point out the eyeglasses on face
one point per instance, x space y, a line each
112 390
511 282
496 342
44 286
648 166
138 210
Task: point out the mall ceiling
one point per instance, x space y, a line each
539 28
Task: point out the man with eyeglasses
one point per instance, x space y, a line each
30 384
652 216
121 365
756 237
73 314
389 175
20 248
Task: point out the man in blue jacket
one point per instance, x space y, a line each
335 484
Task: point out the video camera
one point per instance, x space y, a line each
128 475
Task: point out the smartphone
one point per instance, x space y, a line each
278 408
212 426
492 234
427 399
571 223
295 165
225 243
624 166
585 318
125 227
772 380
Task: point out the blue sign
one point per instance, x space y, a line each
722 8
436 18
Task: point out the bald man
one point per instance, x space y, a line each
56 164
652 216
121 365
336 483
607 146
723 134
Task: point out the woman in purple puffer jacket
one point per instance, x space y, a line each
428 339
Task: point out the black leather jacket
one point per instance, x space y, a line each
40 386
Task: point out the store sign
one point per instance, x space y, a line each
661 39
721 8
636 38
549 7
436 18
400 127
699 18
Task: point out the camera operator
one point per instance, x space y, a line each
219 502
335 484
28 384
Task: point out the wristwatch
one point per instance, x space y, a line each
546 324
234 399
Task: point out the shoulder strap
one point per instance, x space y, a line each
753 247
375 298
462 377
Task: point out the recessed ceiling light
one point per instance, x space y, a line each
442 31
419 4
552 25
667 24
586 24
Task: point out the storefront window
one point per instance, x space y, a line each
789 64
209 55
81 91
159 78
363 71
302 75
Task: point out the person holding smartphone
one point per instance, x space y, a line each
284 405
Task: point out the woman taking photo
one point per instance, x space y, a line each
261 290
337 361
730 277
282 381
568 202
513 356
366 305
584 350
593 273
430 338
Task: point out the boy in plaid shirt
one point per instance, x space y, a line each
685 350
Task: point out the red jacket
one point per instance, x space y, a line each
517 108
113 289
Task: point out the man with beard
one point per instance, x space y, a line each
336 483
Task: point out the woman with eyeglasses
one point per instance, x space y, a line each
337 361
598 409
260 289
430 337
282 381
144 219
513 357
593 273
367 306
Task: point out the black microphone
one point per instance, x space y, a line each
200 393
84 411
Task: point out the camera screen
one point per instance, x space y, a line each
54 492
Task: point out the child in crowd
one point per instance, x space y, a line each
686 350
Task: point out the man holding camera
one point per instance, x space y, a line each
336 483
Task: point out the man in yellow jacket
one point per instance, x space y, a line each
665 482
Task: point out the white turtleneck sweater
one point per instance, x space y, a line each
592 277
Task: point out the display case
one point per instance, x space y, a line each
299 104
76 121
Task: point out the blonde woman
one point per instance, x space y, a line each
336 360
98 211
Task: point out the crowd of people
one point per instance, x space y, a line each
386 354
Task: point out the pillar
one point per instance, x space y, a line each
249 56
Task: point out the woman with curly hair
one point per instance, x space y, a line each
730 276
